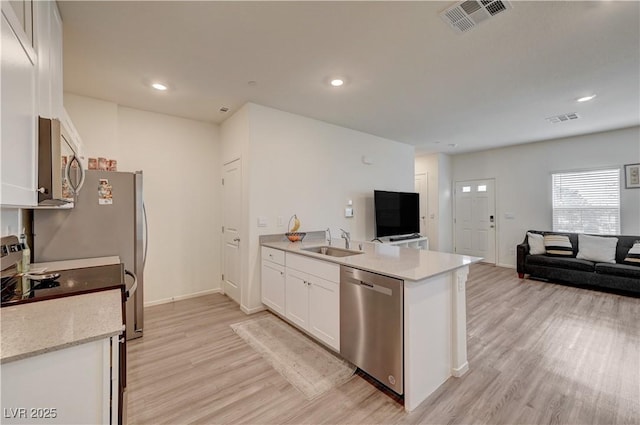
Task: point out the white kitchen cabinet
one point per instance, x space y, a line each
305 291
73 385
324 311
297 298
49 48
273 280
19 114
313 302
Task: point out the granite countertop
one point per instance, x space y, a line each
403 263
36 328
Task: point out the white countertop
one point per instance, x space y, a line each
39 327
403 263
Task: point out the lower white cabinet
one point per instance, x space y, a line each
272 286
305 291
74 385
313 303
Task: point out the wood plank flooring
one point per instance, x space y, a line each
539 353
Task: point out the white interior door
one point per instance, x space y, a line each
422 188
475 219
232 206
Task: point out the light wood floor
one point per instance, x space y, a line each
539 353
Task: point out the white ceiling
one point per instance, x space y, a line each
410 77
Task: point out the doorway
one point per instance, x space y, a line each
475 219
231 229
423 190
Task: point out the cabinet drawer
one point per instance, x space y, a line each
323 269
274 255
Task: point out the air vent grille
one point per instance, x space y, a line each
467 14
563 118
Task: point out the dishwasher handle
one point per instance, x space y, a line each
368 286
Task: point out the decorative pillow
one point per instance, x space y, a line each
597 248
536 243
558 245
633 256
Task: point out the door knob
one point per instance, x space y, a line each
236 239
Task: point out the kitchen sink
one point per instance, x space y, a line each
332 251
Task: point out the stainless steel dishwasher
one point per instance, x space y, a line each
371 325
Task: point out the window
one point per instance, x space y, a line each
587 201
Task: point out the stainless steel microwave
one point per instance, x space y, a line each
60 173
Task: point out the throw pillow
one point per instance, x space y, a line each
597 248
536 243
633 256
558 245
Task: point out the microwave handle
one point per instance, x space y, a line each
67 174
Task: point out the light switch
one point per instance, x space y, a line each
262 221
348 212
509 215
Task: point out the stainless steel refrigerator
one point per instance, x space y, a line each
107 220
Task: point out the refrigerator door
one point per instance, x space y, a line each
106 221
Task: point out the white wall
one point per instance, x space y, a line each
440 212
297 165
180 159
523 180
10 219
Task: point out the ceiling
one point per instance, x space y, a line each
409 76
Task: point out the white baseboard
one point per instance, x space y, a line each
183 297
458 372
508 266
254 310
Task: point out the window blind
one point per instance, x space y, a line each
587 202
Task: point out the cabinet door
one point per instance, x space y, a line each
18 138
55 62
273 286
324 311
296 299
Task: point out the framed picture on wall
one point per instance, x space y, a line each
632 176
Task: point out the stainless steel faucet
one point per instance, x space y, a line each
347 238
328 231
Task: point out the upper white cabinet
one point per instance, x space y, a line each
31 86
49 47
19 114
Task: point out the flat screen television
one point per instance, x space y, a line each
397 213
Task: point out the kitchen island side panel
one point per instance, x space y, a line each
428 336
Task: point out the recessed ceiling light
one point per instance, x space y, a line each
336 82
159 86
586 98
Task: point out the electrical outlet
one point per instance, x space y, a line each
348 212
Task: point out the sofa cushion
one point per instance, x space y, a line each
563 263
597 248
622 270
633 255
536 243
558 245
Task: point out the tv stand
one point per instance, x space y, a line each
411 241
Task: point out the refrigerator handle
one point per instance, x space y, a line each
129 293
146 235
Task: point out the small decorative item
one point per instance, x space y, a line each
113 165
93 163
632 176
293 235
103 164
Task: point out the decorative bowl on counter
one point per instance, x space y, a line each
295 236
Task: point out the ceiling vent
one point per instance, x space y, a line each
564 117
467 14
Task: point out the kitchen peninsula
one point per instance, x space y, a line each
433 307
